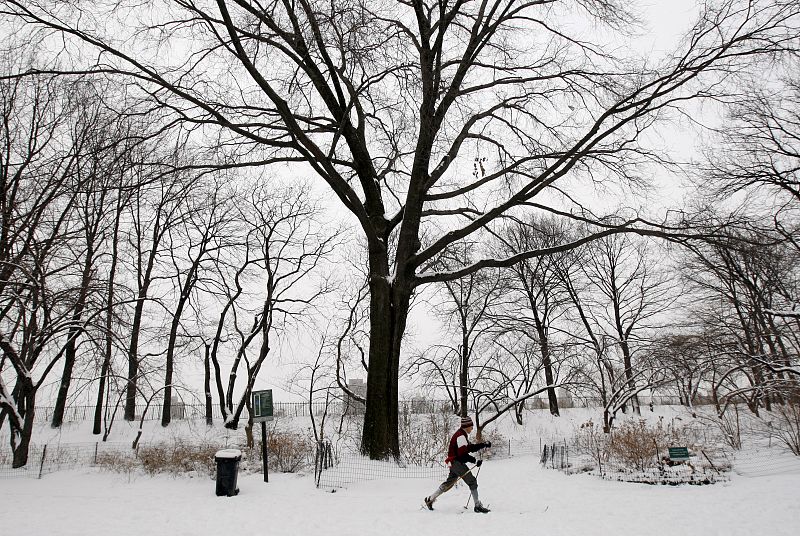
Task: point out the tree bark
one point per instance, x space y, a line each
75 331
104 368
464 374
389 303
207 387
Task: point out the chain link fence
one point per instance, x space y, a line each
333 470
187 410
705 466
45 459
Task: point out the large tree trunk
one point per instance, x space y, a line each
626 356
547 363
98 407
66 377
104 368
133 355
166 412
21 440
388 315
144 278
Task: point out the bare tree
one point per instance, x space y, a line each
757 155
291 246
741 283
202 236
535 291
685 356
632 293
466 307
38 175
383 100
154 209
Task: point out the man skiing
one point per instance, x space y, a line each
458 454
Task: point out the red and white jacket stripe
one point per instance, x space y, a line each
460 448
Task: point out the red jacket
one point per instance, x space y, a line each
460 448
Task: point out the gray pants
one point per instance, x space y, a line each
457 470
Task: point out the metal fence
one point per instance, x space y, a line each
182 410
763 462
707 465
45 459
338 471
555 456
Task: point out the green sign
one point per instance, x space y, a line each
678 453
262 405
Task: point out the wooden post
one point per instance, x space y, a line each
264 450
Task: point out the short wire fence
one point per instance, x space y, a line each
705 466
763 462
339 471
45 459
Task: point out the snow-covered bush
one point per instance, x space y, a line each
289 452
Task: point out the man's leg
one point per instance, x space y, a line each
457 469
472 482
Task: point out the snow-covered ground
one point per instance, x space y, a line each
525 500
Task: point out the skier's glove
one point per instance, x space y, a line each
478 463
488 444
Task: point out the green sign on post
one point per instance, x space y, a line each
262 405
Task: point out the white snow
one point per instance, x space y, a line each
525 500
228 453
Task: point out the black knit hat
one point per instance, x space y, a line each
466 422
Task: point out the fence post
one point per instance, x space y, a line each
41 464
95 452
316 464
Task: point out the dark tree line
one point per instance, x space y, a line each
118 251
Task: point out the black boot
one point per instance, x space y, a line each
481 509
429 503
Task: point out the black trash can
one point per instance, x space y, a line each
227 471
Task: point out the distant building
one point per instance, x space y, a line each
353 406
564 398
177 408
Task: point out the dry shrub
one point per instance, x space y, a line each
289 452
635 445
424 437
177 458
500 444
118 462
593 442
784 425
